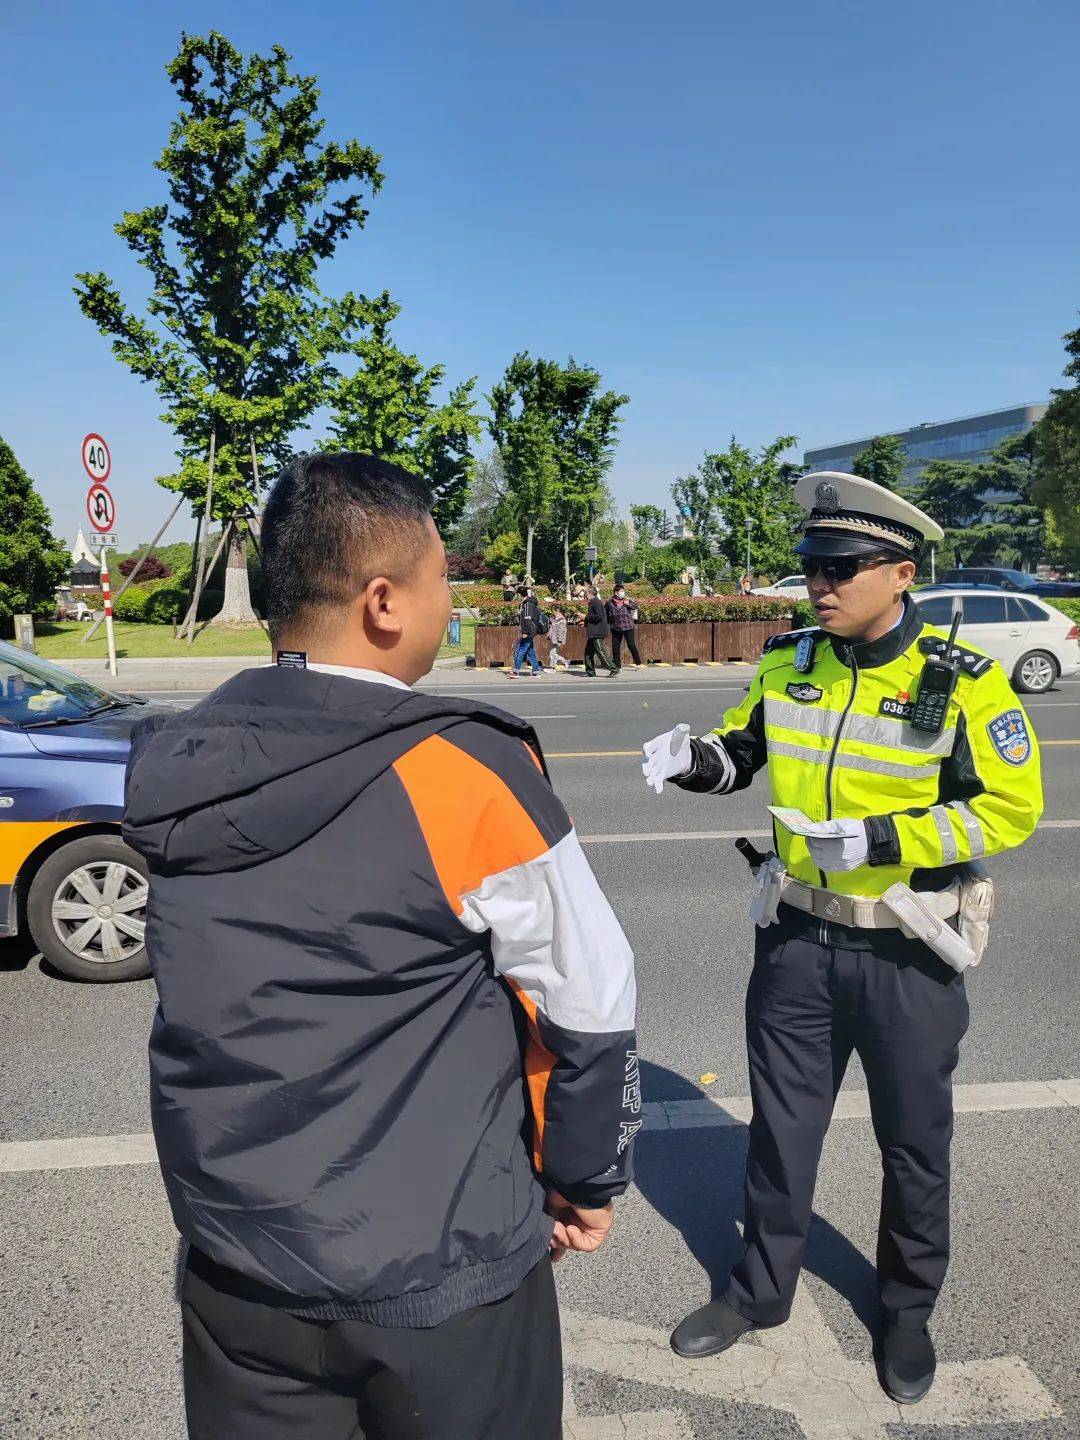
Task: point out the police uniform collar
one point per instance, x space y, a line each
869 654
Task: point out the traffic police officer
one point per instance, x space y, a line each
918 757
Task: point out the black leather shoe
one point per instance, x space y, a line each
906 1364
708 1331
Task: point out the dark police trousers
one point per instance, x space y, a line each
253 1371
811 1001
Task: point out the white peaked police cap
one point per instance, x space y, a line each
852 516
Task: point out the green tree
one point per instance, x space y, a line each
540 403
586 422
648 521
1057 454
985 506
732 486
882 461
238 338
32 561
387 407
696 498
485 498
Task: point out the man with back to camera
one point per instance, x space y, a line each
906 759
377 943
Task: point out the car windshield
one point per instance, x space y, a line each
32 691
1018 578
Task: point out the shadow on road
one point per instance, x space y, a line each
694 1179
20 953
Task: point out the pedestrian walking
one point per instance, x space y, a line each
746 585
557 639
622 618
528 629
897 758
376 940
597 631
509 586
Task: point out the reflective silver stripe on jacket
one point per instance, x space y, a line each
724 759
896 735
949 850
846 761
869 729
976 838
810 719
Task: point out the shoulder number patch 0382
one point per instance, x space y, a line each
1009 732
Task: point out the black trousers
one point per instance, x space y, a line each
254 1372
594 651
811 1002
617 638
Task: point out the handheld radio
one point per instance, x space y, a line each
936 685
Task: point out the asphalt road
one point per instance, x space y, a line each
88 1326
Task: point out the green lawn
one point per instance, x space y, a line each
64 641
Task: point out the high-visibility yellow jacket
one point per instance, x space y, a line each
838 744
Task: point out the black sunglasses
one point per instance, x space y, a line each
839 567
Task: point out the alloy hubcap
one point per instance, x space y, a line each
99 911
1037 672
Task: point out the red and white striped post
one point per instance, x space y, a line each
106 594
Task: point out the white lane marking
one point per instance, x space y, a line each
597 693
971 1099
639 836
675 835
799 1369
84 1152
645 1425
79 1153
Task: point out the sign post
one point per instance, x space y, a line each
107 596
101 509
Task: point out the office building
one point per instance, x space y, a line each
972 437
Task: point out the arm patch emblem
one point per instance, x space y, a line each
1010 737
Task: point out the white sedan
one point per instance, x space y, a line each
792 587
1034 643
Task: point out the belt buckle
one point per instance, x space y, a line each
829 907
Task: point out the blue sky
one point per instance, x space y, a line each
824 219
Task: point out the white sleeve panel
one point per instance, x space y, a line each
555 935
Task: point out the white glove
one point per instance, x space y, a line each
667 757
846 848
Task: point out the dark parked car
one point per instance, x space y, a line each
1005 579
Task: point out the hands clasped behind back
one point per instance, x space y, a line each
666 757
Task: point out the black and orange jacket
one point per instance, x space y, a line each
394 1002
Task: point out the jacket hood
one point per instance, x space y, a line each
270 758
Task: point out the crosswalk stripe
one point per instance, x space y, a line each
86 1152
971 1099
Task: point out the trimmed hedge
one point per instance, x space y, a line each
1068 607
151 601
664 609
160 602
802 615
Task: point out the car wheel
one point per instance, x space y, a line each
87 910
1035 672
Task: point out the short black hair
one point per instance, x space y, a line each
333 522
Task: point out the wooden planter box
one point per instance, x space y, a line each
744 639
674 644
696 640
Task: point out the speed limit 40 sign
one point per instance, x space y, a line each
97 462
101 508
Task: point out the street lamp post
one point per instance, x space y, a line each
749 530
